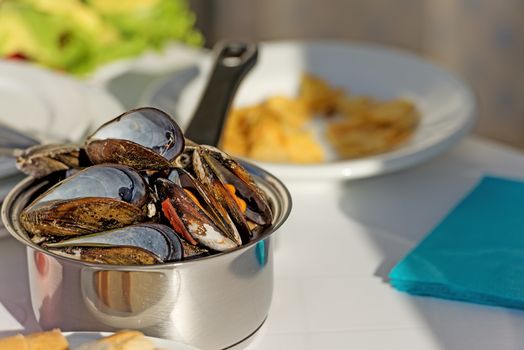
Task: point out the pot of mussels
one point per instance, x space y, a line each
141 228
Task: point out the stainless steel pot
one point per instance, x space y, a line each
210 303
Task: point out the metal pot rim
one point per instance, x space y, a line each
278 192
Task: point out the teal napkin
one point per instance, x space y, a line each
476 253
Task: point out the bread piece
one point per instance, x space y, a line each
123 340
137 343
52 340
16 342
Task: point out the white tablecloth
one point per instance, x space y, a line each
332 257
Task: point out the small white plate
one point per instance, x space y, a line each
49 105
76 339
446 103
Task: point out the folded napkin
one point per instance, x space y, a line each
476 253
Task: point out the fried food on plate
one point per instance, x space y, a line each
273 131
282 129
318 95
373 129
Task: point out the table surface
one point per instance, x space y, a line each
332 258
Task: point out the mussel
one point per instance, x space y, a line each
145 175
144 139
42 160
231 172
221 207
234 192
188 216
98 198
141 244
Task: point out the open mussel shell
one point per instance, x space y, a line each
188 217
142 244
231 172
98 198
206 202
143 138
41 160
222 199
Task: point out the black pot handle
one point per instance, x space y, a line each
232 62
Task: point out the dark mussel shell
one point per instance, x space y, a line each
207 175
145 243
41 160
231 172
193 251
184 179
98 198
119 255
144 139
190 219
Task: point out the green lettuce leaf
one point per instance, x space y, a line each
78 36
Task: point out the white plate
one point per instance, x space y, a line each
447 104
76 339
49 105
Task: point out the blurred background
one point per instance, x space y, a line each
480 40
